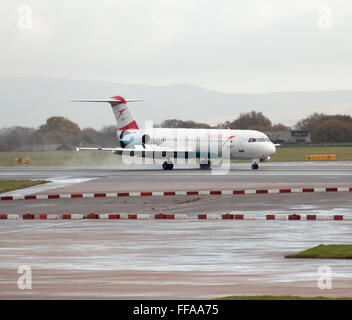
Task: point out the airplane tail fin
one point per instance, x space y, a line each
123 116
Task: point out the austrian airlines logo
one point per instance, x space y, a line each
229 139
120 112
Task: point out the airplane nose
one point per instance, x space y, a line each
272 149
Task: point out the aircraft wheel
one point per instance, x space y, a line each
168 166
205 166
255 166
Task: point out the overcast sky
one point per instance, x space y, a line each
223 45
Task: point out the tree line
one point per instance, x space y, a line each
323 128
59 130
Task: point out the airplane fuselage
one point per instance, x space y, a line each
235 144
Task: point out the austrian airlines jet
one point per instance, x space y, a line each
168 144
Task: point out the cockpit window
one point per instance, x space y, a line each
258 140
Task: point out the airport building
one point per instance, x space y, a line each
289 137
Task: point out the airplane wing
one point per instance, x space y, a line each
149 150
147 147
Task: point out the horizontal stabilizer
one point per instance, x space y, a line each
110 100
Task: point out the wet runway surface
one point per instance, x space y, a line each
175 259
240 172
302 203
179 259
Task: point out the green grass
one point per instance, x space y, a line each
60 158
279 298
300 153
331 251
9 185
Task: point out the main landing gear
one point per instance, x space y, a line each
255 166
167 165
205 166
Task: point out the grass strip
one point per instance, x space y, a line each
331 251
9 185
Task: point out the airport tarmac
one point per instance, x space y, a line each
151 178
169 260
175 259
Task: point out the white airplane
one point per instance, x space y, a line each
168 144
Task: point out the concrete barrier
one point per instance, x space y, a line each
76 216
52 216
91 216
13 216
294 216
249 216
181 216
322 217
164 216
28 216
175 193
338 217
281 217
114 216
143 216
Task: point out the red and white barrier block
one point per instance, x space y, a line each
9 216
174 193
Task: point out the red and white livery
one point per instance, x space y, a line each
170 144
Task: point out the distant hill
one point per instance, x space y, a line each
30 101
